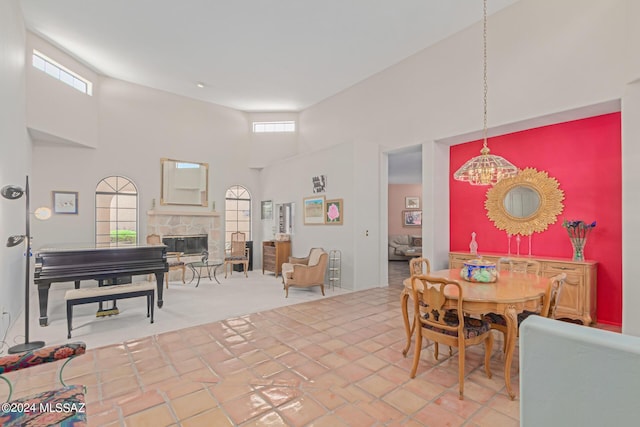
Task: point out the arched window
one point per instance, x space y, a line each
116 212
237 212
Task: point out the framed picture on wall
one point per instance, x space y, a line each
313 210
266 209
411 218
65 202
319 183
412 202
333 211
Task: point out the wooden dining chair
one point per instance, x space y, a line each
436 321
173 259
417 266
519 265
548 309
238 253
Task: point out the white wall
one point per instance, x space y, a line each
630 174
630 209
576 376
539 63
15 156
269 147
54 109
289 180
137 127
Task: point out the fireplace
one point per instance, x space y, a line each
188 245
205 226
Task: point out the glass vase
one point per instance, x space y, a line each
578 248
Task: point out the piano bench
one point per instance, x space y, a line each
108 293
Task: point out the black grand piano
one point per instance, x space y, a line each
73 264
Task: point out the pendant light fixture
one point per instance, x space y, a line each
485 169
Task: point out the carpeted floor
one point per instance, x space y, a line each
184 306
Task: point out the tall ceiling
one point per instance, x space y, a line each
251 55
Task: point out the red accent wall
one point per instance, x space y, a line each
585 157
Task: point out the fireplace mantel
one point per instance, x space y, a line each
183 213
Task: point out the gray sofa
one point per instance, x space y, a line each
401 242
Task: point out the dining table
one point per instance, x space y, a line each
511 294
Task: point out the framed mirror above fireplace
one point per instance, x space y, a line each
184 183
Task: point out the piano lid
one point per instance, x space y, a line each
68 247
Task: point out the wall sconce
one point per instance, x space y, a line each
13 192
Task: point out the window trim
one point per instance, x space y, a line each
248 199
88 84
115 193
288 126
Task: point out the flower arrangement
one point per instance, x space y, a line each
578 232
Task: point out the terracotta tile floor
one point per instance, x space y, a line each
332 362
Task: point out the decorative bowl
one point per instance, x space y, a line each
480 271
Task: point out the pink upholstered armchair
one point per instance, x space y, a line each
305 272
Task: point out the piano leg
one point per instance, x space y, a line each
159 280
43 299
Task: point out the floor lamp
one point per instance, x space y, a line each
13 192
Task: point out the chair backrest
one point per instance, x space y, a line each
238 243
205 256
314 256
153 239
430 291
553 295
419 266
519 265
320 266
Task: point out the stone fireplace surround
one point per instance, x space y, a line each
188 223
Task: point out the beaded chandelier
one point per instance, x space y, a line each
486 168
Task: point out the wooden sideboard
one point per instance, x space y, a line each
578 299
274 254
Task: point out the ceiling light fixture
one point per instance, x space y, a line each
200 85
486 168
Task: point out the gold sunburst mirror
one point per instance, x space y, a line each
525 203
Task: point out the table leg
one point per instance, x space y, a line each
199 274
215 269
193 272
404 300
510 344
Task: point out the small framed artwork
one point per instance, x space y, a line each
313 210
266 209
412 202
411 218
65 202
319 184
333 211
